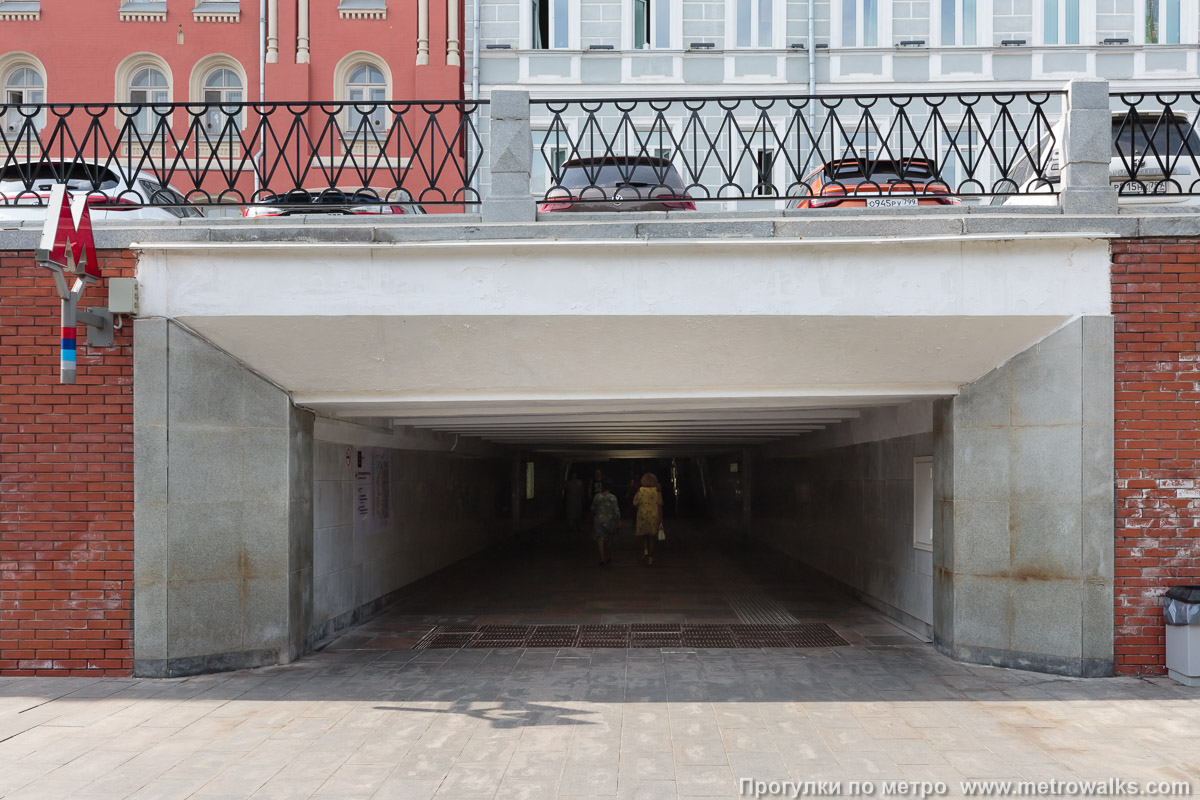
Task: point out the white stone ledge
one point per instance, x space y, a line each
143 16
452 229
216 16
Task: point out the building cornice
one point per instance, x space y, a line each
143 16
362 13
217 16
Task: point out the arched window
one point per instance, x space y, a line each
366 90
147 88
23 87
221 92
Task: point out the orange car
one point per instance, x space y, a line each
855 183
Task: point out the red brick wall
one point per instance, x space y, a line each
66 484
1156 291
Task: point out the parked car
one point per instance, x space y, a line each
330 200
618 183
1155 154
24 188
883 183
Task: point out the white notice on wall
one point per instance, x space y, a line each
372 491
363 483
381 490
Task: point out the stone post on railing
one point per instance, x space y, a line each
510 158
1086 150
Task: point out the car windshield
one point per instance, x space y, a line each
90 177
852 173
614 174
1153 136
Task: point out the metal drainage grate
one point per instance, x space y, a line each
636 635
485 642
504 630
655 627
551 640
656 640
813 635
448 640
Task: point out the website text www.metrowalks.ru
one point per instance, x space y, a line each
1112 787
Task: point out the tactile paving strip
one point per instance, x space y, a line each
635 635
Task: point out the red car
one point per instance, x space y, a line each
859 183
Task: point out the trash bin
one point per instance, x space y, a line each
1181 611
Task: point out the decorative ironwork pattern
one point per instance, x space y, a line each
640 634
1156 149
825 149
205 154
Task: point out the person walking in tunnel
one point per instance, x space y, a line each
606 519
574 498
597 483
649 504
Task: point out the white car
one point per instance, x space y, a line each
24 188
1155 161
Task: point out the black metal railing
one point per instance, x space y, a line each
799 149
1155 147
184 155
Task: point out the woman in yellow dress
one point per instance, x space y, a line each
649 504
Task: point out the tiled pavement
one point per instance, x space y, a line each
552 578
352 722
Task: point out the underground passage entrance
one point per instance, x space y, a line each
767 543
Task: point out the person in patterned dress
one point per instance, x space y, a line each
606 519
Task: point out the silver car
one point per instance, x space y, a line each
1155 159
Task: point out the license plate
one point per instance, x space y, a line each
891 202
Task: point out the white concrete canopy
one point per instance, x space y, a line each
642 342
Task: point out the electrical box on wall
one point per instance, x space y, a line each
122 296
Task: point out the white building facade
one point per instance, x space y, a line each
601 47
579 51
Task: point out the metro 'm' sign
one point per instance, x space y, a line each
67 236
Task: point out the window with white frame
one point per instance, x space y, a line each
754 21
23 87
221 92
657 143
860 23
958 22
1060 21
756 161
551 24
923 503
366 91
651 24
1163 21
148 87
549 155
960 165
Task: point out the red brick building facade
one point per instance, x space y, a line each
1156 305
66 466
66 484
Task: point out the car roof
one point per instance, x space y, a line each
1149 113
613 161
45 168
877 164
366 196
